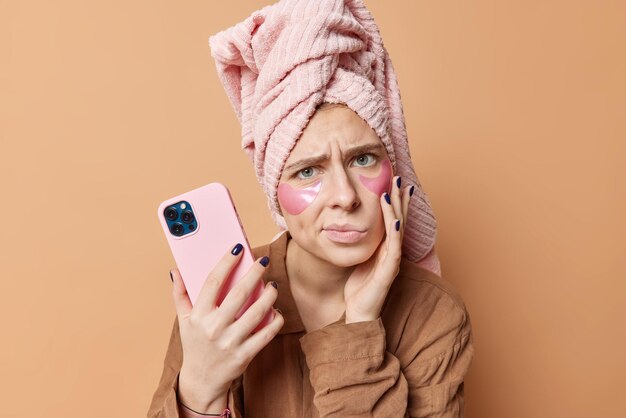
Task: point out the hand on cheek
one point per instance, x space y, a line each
369 283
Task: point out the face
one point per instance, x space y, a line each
329 191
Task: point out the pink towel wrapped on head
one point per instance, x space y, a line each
284 60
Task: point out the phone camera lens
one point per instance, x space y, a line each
171 213
187 216
177 229
192 227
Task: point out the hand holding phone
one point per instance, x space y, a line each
217 348
224 311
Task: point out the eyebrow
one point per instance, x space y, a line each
358 150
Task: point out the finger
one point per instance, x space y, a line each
182 303
240 293
388 215
396 200
256 342
391 262
207 298
396 243
406 200
255 313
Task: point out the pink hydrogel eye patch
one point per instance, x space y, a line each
380 183
294 200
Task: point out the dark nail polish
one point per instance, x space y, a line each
273 283
265 261
237 249
397 225
399 181
171 277
411 191
387 198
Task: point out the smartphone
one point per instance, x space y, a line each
200 227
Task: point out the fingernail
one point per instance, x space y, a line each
171 277
237 249
273 283
387 199
399 181
265 261
411 191
397 225
279 311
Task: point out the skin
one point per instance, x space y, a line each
217 347
357 276
294 200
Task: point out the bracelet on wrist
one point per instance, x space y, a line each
225 413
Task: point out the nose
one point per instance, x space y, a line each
341 191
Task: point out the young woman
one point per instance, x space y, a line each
360 329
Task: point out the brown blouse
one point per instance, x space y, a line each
410 362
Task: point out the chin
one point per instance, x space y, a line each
348 255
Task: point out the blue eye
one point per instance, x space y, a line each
307 173
365 160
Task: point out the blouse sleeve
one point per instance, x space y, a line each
353 373
164 401
437 371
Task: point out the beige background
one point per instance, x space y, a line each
515 115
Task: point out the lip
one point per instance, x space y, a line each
343 228
344 237
344 234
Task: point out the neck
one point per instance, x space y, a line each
313 276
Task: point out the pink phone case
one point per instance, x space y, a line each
218 230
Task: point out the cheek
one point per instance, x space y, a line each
380 183
293 200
